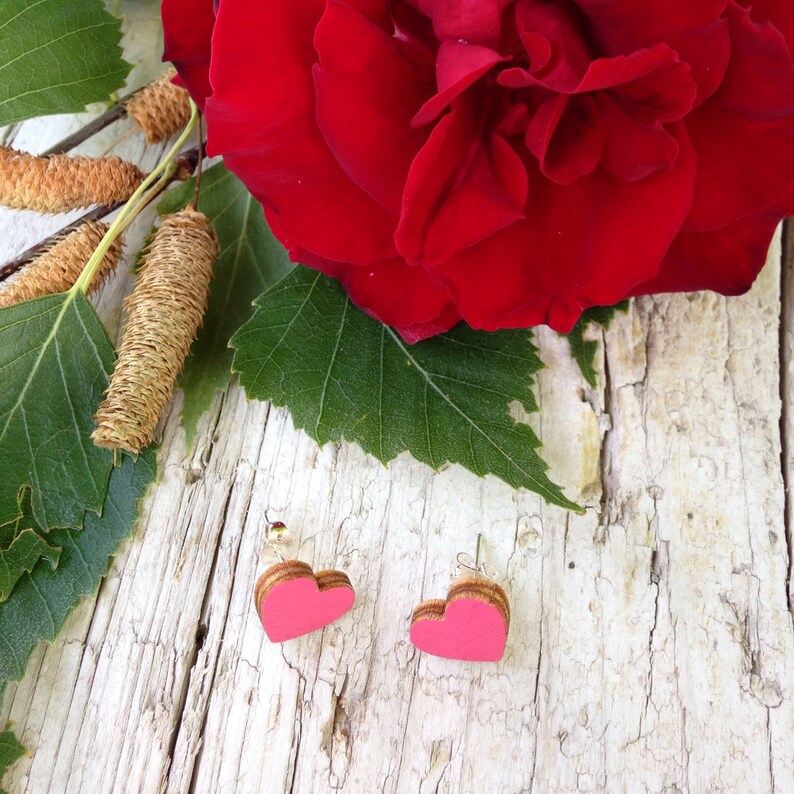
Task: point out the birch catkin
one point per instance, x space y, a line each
164 313
161 108
57 268
59 182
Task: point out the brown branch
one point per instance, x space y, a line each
131 104
185 166
118 111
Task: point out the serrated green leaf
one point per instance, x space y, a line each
582 350
54 360
11 750
251 260
43 598
56 56
21 546
344 376
20 557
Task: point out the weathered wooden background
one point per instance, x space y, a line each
651 649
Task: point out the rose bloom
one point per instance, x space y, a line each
504 162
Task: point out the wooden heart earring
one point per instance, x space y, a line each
291 600
471 623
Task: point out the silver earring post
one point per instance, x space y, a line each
464 560
275 533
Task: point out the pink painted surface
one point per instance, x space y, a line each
297 607
471 631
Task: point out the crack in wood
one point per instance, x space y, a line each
607 462
202 630
786 353
296 745
660 560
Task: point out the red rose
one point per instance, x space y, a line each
508 162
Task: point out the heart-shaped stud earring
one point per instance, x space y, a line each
291 600
471 624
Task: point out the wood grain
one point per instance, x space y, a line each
651 645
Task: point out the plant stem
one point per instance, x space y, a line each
200 164
161 176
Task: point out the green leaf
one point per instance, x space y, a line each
54 360
56 56
583 351
21 556
344 376
251 260
42 599
21 546
10 751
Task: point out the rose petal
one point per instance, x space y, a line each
460 189
581 245
634 151
418 332
366 121
390 291
653 81
744 134
779 12
261 117
554 38
636 95
725 260
376 11
567 134
187 28
692 28
474 21
459 66
395 293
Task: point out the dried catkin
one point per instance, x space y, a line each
164 313
161 108
57 268
59 182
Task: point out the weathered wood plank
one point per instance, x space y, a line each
660 658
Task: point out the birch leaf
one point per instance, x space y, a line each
57 56
345 376
54 360
584 350
10 752
43 598
20 557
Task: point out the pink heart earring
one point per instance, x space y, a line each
471 624
291 600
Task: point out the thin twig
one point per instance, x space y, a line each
199 169
18 262
112 114
118 111
185 166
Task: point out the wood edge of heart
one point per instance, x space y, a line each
429 610
480 589
331 578
278 574
295 569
